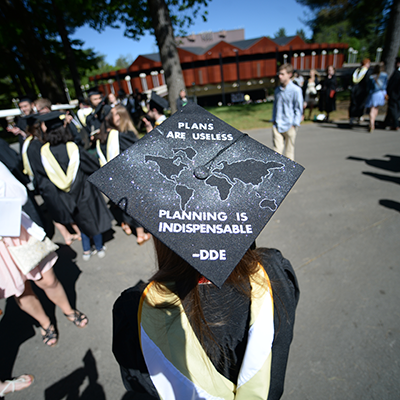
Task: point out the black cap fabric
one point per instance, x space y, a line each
52 120
158 102
102 110
201 187
93 90
25 98
31 118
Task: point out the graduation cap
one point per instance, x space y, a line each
25 98
102 110
52 120
158 102
31 119
93 90
203 188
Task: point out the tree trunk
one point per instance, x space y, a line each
168 52
69 53
392 39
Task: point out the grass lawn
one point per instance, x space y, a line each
245 116
252 116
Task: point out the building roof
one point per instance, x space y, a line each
245 44
152 56
284 40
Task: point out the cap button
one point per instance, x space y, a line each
201 172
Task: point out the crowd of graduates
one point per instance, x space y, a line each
59 150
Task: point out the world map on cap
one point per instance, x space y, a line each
203 188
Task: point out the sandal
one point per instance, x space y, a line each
143 238
126 228
20 381
49 334
77 318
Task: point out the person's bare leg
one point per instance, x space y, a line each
29 303
372 118
64 232
77 235
56 293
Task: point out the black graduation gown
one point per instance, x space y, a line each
126 140
359 94
126 345
84 203
326 102
393 91
13 162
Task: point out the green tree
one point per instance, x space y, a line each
364 24
280 33
123 61
302 34
160 17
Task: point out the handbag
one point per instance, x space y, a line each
332 93
28 255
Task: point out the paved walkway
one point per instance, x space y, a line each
340 227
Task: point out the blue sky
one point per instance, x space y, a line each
257 17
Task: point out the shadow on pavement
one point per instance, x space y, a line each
394 205
381 177
16 326
69 386
392 164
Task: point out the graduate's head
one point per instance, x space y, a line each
54 128
26 105
43 106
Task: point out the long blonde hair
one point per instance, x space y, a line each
125 123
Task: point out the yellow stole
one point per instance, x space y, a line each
112 147
179 366
25 161
53 169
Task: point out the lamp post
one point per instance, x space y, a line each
323 52
350 55
128 82
237 68
313 54
335 53
378 54
110 82
302 60
295 56
222 79
285 56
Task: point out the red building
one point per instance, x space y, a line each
215 68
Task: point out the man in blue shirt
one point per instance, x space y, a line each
287 112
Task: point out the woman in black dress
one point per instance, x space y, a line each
327 98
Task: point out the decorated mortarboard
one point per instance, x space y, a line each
159 102
52 120
203 188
